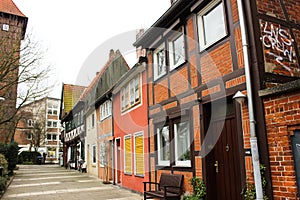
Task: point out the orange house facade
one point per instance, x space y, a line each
131 129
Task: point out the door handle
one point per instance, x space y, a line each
217 166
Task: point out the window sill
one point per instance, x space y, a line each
139 175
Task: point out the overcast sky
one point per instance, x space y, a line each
77 35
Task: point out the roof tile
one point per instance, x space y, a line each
8 6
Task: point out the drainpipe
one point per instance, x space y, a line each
253 138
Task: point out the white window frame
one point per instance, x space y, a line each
126 96
160 161
125 137
186 163
155 64
172 52
201 29
138 135
105 110
52 122
30 123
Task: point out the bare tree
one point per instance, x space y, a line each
23 79
33 123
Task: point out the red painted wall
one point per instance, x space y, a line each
130 122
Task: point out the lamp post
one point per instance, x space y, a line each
240 97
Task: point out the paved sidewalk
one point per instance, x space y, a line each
36 182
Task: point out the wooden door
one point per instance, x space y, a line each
118 161
222 163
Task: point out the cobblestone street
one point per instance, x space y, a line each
53 182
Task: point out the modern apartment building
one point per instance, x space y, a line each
39 128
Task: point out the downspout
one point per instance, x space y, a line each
253 138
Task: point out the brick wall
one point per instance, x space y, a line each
282 118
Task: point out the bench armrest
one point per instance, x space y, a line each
149 183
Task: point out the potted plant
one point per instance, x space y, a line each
199 190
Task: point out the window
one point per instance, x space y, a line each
93 120
127 155
295 139
182 144
94 154
105 109
52 124
163 143
29 136
139 154
30 123
131 93
180 147
176 51
159 63
211 24
49 137
102 154
54 137
52 109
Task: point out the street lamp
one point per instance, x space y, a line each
239 97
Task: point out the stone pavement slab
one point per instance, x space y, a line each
47 182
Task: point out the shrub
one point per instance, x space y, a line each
3 182
4 164
27 157
199 189
11 154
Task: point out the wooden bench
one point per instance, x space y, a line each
169 187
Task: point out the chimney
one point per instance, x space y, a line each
139 33
111 53
140 52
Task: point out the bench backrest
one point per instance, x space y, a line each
171 180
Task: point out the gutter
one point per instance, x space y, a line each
253 138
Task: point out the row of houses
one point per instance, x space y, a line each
174 111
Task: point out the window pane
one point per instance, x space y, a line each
48 136
137 89
177 51
183 141
94 154
54 137
132 92
54 124
139 155
126 96
214 26
128 155
161 62
164 144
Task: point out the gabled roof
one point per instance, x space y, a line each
101 88
70 96
9 7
